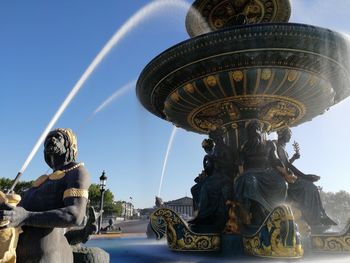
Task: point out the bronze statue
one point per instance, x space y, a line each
303 193
79 236
55 201
159 202
217 187
260 187
208 168
232 224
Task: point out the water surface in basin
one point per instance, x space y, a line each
140 249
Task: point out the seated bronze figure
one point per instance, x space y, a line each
261 185
303 192
208 167
214 188
55 202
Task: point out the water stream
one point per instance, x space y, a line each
116 95
170 144
144 13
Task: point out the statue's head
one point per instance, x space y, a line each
254 129
208 145
159 202
284 134
60 147
217 135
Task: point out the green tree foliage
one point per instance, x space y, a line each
337 205
5 184
109 205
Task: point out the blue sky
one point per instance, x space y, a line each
46 46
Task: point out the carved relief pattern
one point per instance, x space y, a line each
280 114
332 242
216 115
232 52
179 237
275 110
277 238
222 14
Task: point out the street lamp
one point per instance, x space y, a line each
131 210
124 202
103 182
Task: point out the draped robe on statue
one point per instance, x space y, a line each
304 193
260 184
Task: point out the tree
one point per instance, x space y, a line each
337 205
6 183
109 205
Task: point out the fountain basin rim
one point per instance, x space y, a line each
269 37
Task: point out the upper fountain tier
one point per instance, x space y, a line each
211 15
281 73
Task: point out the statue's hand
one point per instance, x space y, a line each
296 156
16 215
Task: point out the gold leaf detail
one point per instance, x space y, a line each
219 23
266 74
211 80
313 80
175 96
57 175
40 180
292 75
76 192
237 75
189 88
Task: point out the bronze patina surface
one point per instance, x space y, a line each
231 75
216 14
246 73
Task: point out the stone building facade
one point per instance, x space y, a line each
182 206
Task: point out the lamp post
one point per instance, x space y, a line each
131 210
103 182
124 202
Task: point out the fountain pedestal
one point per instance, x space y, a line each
232 245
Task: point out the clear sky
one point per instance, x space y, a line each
46 46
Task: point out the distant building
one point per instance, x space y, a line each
146 212
128 210
182 206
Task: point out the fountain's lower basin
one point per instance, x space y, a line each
142 250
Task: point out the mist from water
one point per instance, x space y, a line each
116 95
120 92
170 144
145 12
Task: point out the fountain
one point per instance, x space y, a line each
252 66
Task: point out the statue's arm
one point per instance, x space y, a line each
240 160
294 157
82 235
274 158
70 215
278 164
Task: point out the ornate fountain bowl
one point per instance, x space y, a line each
283 74
220 14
